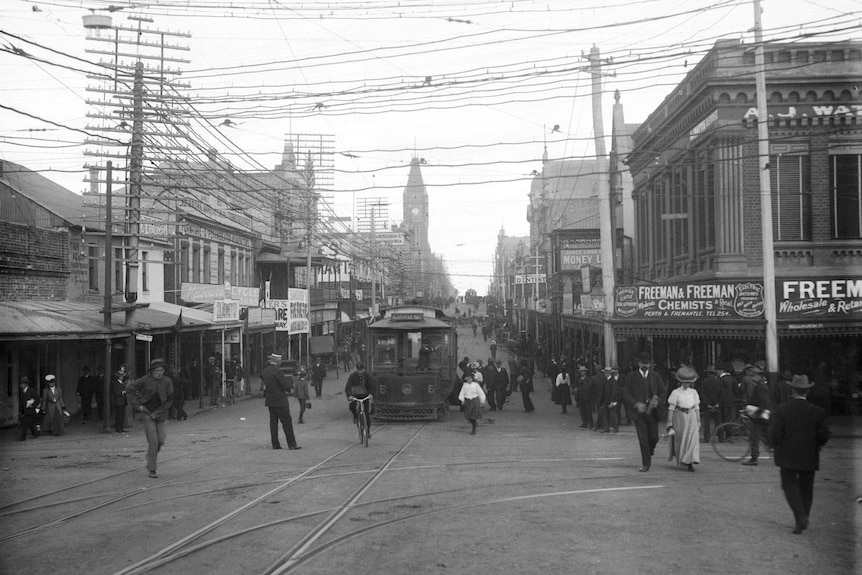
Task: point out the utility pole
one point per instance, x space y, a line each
765 199
373 271
134 209
605 231
109 240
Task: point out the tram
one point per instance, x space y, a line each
412 358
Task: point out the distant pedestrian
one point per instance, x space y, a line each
300 391
611 397
503 383
86 389
276 390
153 395
798 433
710 401
683 425
583 396
493 349
642 390
28 418
525 382
53 406
118 398
318 374
472 399
178 410
562 394
758 405
489 377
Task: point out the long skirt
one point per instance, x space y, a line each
685 442
53 422
562 394
472 409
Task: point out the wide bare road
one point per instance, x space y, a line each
530 493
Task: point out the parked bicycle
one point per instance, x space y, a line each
730 439
363 409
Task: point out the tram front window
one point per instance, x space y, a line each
385 349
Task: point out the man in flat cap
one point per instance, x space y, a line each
798 432
155 400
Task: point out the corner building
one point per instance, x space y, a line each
697 296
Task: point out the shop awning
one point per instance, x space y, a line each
192 319
22 320
754 329
823 328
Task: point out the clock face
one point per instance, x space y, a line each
415 211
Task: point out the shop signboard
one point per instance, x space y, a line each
208 293
816 299
698 301
225 310
291 315
578 258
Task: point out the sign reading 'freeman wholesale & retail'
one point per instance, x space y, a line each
707 301
819 298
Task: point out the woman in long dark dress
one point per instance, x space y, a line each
53 407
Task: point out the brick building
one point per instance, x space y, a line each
698 293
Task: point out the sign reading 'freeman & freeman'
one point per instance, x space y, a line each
691 301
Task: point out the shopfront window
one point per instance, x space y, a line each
790 179
846 179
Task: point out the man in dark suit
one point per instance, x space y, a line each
318 374
489 377
598 387
643 390
710 401
85 391
584 386
276 390
29 404
758 405
612 395
501 380
798 432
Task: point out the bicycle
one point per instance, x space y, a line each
362 418
730 439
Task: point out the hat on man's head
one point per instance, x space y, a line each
274 357
50 377
787 374
753 368
607 369
157 363
801 382
686 374
24 379
644 357
709 369
583 368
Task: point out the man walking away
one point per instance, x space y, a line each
798 432
710 396
276 389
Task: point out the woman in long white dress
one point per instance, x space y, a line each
684 419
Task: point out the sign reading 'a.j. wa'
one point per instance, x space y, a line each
691 301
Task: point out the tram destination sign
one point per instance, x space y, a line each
698 301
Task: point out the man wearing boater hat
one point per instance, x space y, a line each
798 432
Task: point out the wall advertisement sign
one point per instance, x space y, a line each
702 301
225 310
291 315
819 299
208 293
576 259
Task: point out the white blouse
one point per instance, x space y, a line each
471 390
685 398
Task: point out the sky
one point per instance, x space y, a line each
476 89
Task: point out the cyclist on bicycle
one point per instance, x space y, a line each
359 387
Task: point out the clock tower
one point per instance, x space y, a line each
416 205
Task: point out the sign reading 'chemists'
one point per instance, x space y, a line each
705 301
